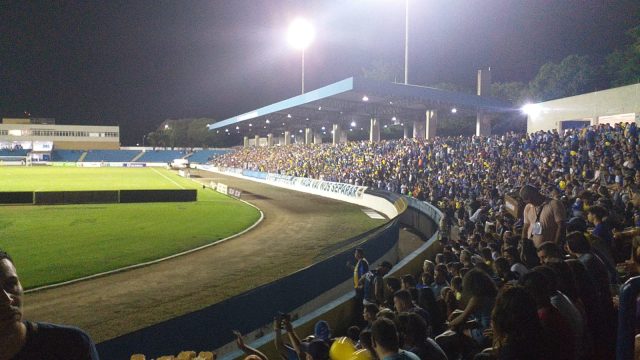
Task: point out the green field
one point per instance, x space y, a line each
51 244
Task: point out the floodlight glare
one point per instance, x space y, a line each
532 109
353 124
454 110
301 33
365 98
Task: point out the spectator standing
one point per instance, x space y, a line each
360 268
544 218
373 284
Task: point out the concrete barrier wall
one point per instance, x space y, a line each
389 208
339 311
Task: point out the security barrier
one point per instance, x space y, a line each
16 197
140 196
75 197
97 197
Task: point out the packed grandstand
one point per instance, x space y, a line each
503 286
492 286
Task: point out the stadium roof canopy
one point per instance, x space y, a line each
356 99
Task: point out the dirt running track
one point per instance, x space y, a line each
298 229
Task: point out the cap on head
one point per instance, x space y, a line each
322 330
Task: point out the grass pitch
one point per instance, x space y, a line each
51 244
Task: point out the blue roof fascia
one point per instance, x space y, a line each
433 94
324 92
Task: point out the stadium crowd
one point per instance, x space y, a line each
539 283
536 283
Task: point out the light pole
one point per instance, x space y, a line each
300 36
406 42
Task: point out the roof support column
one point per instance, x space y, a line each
287 137
374 130
432 123
308 136
483 123
405 128
317 138
337 134
419 130
245 141
269 140
257 137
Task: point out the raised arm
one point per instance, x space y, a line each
246 349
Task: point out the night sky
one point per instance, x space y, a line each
136 63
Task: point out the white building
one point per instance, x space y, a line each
43 133
621 104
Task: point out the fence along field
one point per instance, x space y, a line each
57 243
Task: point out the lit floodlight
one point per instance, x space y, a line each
351 129
307 119
227 130
319 107
268 121
293 136
237 127
323 128
217 131
301 33
394 119
353 124
532 109
283 124
250 125
365 98
289 116
385 126
300 131
166 126
454 110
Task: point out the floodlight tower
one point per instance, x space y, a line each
300 36
406 42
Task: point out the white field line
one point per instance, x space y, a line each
168 178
